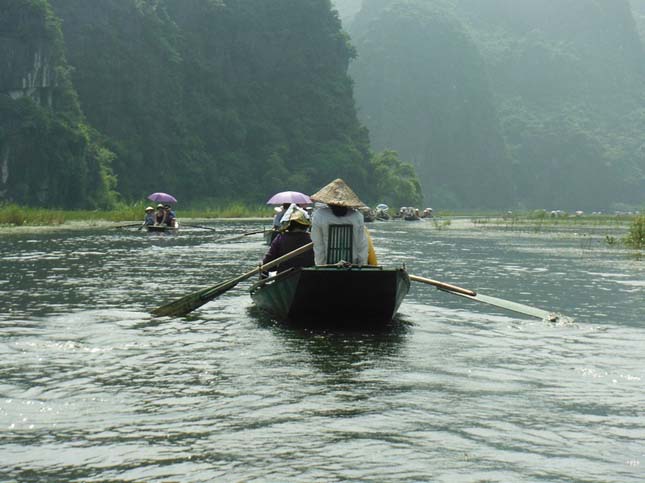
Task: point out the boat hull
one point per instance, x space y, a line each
333 297
161 228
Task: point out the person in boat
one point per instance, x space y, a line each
170 219
160 215
169 209
293 234
149 218
277 220
341 209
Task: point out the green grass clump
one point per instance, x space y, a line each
636 236
15 215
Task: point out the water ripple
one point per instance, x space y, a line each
92 388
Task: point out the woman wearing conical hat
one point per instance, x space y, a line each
341 209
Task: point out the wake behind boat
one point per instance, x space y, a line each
333 296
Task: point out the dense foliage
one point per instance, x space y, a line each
397 180
207 99
560 82
222 100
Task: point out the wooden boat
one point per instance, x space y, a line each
333 296
368 214
161 228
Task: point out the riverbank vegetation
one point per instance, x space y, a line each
15 215
538 219
616 225
636 236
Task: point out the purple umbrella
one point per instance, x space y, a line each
162 198
289 197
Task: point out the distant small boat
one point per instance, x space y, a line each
368 214
383 215
333 297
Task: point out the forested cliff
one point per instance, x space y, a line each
207 99
498 103
560 83
422 88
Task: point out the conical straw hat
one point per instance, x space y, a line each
338 193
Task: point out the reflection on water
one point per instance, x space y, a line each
94 389
337 353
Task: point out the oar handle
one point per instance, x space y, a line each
443 285
127 226
234 281
199 226
237 237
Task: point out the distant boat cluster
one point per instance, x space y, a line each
382 212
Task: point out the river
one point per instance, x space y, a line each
92 388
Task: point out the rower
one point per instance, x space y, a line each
150 216
338 229
295 223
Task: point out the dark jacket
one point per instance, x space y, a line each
288 242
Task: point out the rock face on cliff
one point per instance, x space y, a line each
47 156
28 52
422 90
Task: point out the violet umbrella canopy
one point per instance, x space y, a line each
289 197
162 198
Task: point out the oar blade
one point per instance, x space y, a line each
509 305
190 302
182 306
194 300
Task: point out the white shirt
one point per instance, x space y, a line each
320 221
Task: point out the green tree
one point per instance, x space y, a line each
396 180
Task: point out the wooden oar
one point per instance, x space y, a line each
199 226
127 226
237 237
194 300
497 302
